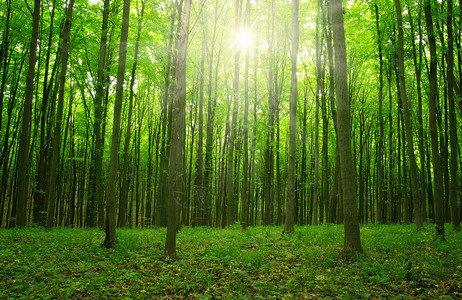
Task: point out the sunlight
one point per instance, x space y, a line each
244 39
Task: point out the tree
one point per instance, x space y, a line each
110 239
246 173
380 198
417 203
432 123
455 217
229 203
56 146
96 193
24 142
124 176
291 184
350 214
176 168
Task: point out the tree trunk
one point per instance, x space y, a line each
407 122
123 199
291 183
40 207
418 72
245 166
56 144
380 198
455 218
110 239
432 124
350 214
96 192
162 197
24 142
176 169
199 179
230 164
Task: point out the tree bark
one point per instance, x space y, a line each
56 144
110 238
96 192
123 199
24 142
352 243
199 179
176 169
432 124
291 183
380 198
230 164
455 217
245 165
417 203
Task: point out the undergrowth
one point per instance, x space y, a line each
259 263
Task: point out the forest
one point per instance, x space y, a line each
262 115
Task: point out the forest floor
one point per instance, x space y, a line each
400 263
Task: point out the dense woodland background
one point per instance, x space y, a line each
58 100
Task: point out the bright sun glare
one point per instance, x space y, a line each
244 39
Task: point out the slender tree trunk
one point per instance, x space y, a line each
56 146
432 124
230 164
455 217
350 213
316 120
245 166
291 183
40 207
333 199
110 239
268 189
123 199
24 142
199 179
162 197
380 198
176 169
418 72
407 122
96 192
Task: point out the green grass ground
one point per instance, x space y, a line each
400 263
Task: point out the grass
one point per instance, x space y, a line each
260 263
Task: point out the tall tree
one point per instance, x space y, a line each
350 205
455 217
291 182
199 179
123 199
418 75
416 200
110 238
96 192
56 144
230 160
380 198
176 169
40 207
432 122
319 88
162 202
245 165
24 142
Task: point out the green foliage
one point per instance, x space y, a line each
230 263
